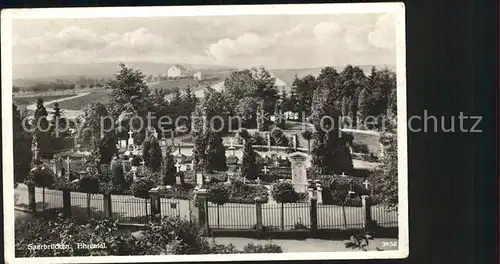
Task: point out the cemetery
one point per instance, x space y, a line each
260 179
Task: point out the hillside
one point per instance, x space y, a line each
29 74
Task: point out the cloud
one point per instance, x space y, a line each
324 42
73 43
384 32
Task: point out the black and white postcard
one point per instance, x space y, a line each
229 133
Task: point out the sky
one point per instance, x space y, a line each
274 41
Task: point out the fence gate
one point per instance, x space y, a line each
170 207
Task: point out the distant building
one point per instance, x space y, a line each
176 71
198 75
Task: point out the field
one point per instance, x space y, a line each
81 102
30 100
184 83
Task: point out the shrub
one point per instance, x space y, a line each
246 193
279 138
284 192
232 160
184 192
88 184
140 188
269 248
62 183
360 148
218 194
41 176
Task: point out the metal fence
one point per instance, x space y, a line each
232 216
286 216
130 210
170 207
80 202
339 217
384 216
53 199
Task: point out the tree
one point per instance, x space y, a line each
155 157
96 122
22 147
330 151
385 183
200 140
241 84
140 188
265 88
216 153
89 184
352 81
41 176
307 135
247 110
169 170
284 192
128 87
41 128
262 123
218 194
364 107
302 93
118 174
249 168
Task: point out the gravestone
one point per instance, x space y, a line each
199 179
299 174
178 180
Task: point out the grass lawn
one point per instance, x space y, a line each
31 100
81 102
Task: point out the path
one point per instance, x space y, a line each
306 245
67 113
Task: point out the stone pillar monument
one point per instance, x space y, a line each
299 174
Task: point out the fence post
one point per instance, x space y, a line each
258 212
31 198
367 211
203 211
108 211
66 202
314 214
155 202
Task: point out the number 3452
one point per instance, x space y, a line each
389 244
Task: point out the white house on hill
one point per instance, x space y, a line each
176 71
198 75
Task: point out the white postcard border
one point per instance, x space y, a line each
8 15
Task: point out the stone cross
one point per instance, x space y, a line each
178 166
231 141
366 183
343 174
258 181
265 170
276 162
142 165
130 139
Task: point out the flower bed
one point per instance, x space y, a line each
183 192
246 193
